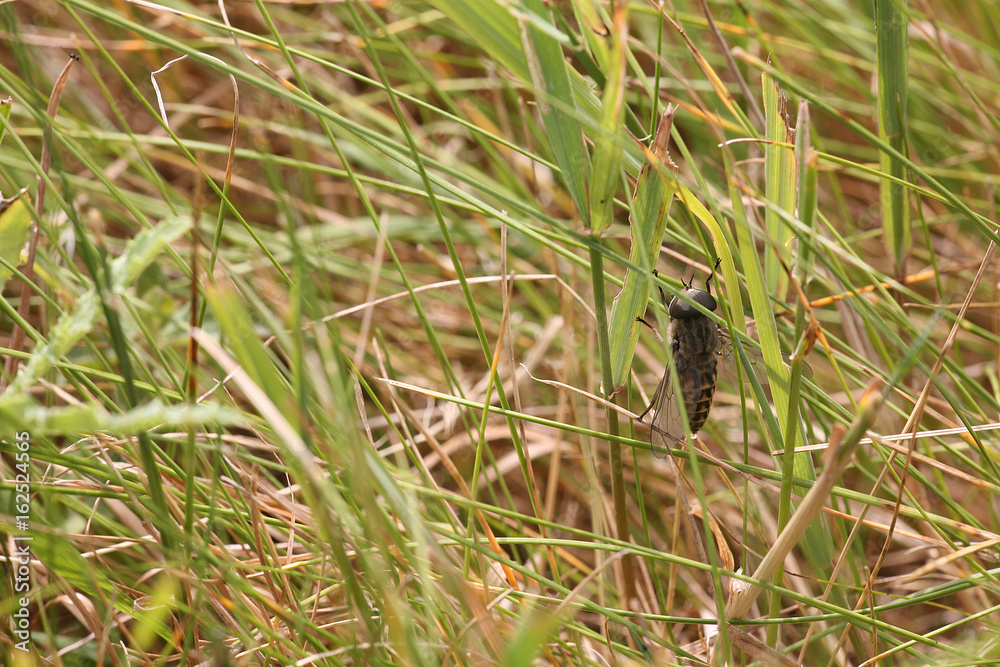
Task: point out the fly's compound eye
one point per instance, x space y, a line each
682 310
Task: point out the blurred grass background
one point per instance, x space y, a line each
308 318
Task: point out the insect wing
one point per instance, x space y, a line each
667 429
729 359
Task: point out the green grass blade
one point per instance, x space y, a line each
654 193
492 27
891 24
606 171
807 168
779 187
551 78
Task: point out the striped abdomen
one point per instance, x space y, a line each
695 342
698 389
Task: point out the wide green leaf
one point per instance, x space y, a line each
654 193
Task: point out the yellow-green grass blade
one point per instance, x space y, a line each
15 221
5 107
593 21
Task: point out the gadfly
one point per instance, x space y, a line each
698 347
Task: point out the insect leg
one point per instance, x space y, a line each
708 282
651 328
656 398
